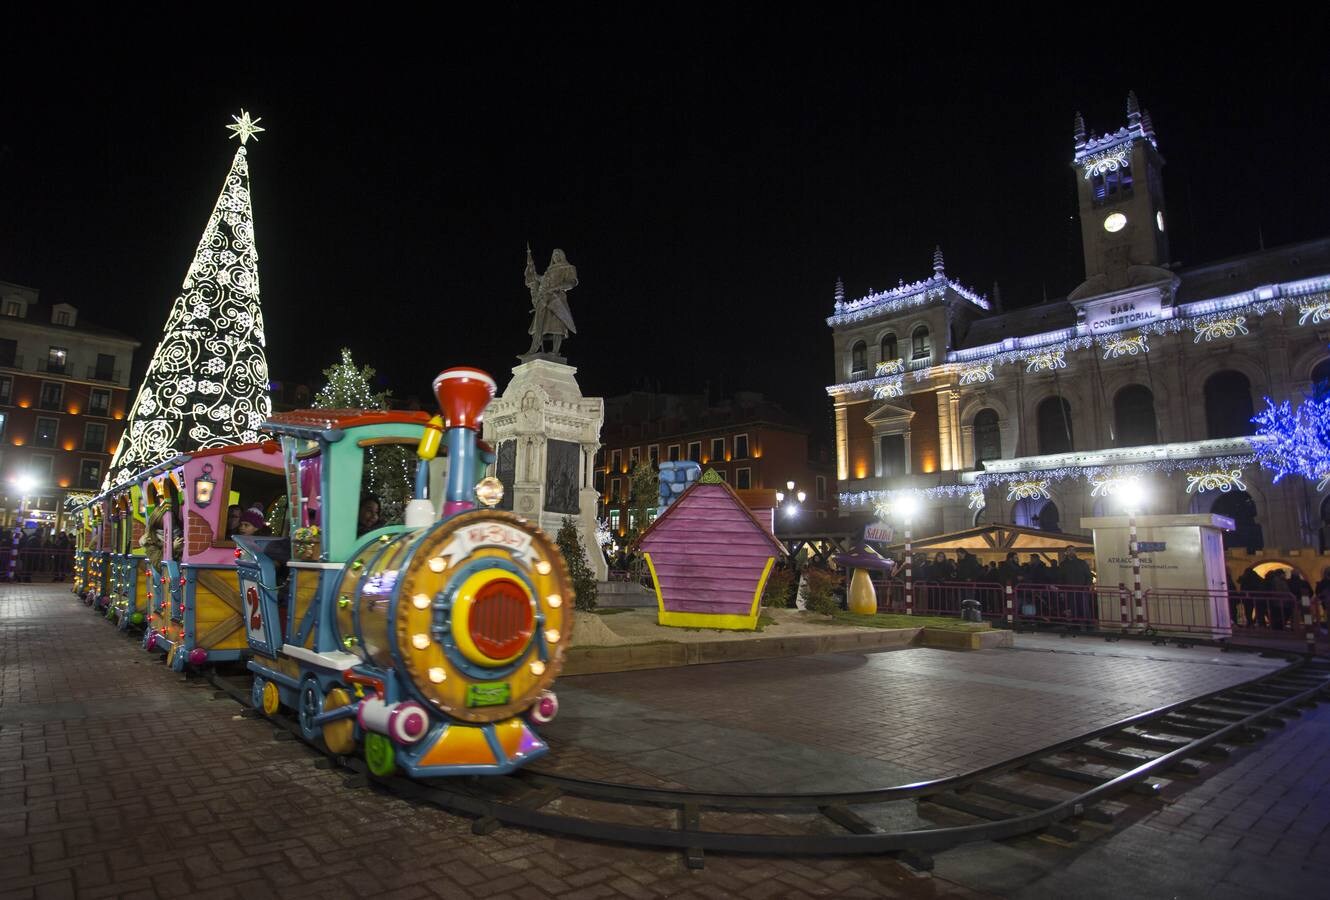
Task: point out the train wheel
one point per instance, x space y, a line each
340 734
311 704
272 699
380 755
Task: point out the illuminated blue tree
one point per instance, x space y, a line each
1295 441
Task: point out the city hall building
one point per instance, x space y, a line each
1034 416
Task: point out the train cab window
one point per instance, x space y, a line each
254 489
387 482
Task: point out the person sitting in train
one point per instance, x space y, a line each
233 519
252 522
369 518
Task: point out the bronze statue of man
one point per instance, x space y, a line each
549 301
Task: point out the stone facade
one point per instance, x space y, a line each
1146 370
546 435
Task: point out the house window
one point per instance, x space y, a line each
919 344
743 479
653 455
94 437
673 453
893 455
6 389
820 491
695 451
616 461
600 481
45 432
99 402
8 352
105 370
614 490
55 359
62 317
39 466
90 473
717 450
987 436
633 457
1053 418
859 357
614 521
52 393
741 446
12 308
3 418
889 351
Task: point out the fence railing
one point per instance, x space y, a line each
36 565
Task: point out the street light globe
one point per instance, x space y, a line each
802 496
906 506
1132 494
789 485
791 510
25 483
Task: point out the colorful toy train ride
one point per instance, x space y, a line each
431 643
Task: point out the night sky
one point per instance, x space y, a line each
709 174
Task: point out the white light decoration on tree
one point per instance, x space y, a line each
893 388
1046 361
1107 161
1222 480
1027 490
207 382
890 367
1115 346
976 373
1213 327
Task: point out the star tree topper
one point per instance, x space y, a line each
245 127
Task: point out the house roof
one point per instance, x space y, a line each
780 548
1000 538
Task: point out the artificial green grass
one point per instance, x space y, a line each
890 620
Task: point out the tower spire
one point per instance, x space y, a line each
939 269
1078 130
1133 110
840 291
207 382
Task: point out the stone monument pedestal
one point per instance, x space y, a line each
1183 576
546 435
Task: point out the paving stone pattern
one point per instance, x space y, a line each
850 721
117 780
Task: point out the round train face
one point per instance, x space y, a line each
475 613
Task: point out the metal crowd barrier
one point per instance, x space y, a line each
36 565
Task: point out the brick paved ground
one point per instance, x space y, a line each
850 721
116 780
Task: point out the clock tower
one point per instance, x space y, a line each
1120 189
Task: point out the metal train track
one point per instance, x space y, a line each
1049 791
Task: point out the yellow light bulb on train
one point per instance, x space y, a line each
537 667
437 675
420 641
554 600
543 567
420 601
552 635
437 564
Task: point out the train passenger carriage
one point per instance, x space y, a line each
429 642
197 609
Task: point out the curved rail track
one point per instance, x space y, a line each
1050 791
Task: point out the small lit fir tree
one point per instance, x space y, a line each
569 540
207 382
389 467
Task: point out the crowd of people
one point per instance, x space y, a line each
1274 600
1067 569
40 552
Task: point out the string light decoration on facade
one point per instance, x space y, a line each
977 500
1315 312
893 388
890 367
977 373
1046 361
1116 346
207 382
1106 161
1222 480
1296 441
1108 485
1028 490
1214 327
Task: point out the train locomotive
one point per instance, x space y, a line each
430 645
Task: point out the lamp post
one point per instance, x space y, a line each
906 506
26 484
796 499
1133 494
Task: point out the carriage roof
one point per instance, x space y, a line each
328 424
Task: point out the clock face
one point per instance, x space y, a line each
1115 223
1159 220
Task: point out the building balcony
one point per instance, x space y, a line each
53 368
96 374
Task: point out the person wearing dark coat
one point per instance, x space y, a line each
1075 572
968 567
1249 581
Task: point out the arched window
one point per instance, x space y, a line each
1241 508
919 345
1321 380
1054 426
859 357
889 351
1228 406
1036 512
1134 421
987 436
